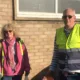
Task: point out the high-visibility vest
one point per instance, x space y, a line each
72 41
2 61
69 48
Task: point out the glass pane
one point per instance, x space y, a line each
37 5
63 4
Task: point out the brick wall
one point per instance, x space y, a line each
37 35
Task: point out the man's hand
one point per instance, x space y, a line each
65 73
47 78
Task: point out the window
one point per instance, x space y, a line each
43 9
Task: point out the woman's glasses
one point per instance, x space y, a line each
67 16
8 31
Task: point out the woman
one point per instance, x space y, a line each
13 55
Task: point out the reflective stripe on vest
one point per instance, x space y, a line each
73 61
21 48
70 61
2 61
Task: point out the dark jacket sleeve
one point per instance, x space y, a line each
54 61
53 66
26 60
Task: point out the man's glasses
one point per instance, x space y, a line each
67 16
8 31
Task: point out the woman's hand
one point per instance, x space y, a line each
26 78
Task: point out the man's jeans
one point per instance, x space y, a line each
74 76
69 77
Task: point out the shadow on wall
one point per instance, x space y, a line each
41 74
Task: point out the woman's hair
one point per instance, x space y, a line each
7 27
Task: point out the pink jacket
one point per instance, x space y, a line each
22 64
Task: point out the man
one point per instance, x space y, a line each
66 50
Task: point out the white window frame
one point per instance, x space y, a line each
37 15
